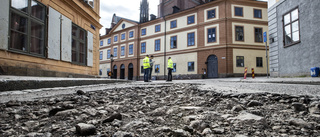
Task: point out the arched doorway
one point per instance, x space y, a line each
114 71
212 66
130 71
122 71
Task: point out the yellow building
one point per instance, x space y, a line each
49 37
215 39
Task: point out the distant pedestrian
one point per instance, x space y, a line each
151 66
170 68
146 67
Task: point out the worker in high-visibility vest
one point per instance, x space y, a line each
170 68
146 68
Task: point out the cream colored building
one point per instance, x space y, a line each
216 39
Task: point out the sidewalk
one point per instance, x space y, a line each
294 80
8 83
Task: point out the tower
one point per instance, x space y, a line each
144 11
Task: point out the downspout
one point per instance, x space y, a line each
226 37
165 47
138 53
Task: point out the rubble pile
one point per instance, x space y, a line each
168 110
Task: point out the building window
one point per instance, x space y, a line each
101 55
257 13
115 38
143 32
173 24
142 69
157 45
191 39
101 43
27 27
100 72
291 28
108 54
259 62
190 66
157 28
258 34
143 47
123 36
240 61
174 67
211 13
173 42
212 35
191 19
157 68
238 11
130 34
109 41
122 50
130 49
115 52
79 48
239 33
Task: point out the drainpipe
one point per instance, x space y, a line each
226 37
165 47
138 53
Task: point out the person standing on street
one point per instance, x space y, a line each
146 67
170 68
151 67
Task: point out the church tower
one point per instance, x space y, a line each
144 11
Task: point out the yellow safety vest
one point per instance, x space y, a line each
170 64
146 63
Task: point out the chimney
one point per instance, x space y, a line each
107 31
153 17
176 9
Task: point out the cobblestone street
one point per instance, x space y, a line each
182 108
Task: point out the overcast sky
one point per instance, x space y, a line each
129 9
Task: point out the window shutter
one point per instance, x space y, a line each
66 39
54 34
90 49
4 24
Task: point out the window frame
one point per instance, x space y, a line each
155 28
143 31
171 24
155 45
214 13
258 64
101 55
115 38
131 34
123 36
290 23
130 52
215 30
145 47
123 50
173 43
254 15
115 52
108 53
239 60
194 20
192 67
235 32
255 33
78 46
236 12
194 37
109 41
174 67
28 36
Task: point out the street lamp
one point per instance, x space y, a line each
111 59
